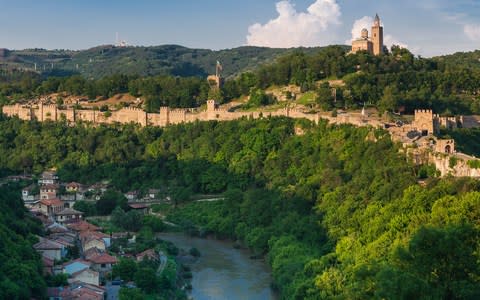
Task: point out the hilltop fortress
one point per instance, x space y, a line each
417 137
166 116
374 44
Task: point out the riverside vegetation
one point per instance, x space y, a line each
337 211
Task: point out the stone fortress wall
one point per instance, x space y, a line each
424 122
420 133
166 116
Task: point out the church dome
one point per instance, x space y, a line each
364 33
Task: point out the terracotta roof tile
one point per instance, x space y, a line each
103 258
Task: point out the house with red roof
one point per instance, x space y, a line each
49 191
50 207
142 208
149 254
86 276
102 262
51 249
74 187
68 214
81 225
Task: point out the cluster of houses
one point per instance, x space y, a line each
86 273
55 199
71 245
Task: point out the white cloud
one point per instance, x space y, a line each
292 28
472 31
358 25
366 22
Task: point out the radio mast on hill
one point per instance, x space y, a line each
120 43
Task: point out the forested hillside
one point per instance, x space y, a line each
21 269
395 82
337 211
108 60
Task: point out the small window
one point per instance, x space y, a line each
103 265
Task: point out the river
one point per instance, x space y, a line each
223 272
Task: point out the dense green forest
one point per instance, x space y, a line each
21 267
337 211
107 60
397 81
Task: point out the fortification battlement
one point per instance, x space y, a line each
132 109
49 106
424 111
178 111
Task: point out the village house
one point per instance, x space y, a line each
101 261
56 228
93 242
50 207
77 290
81 226
49 191
141 208
84 235
48 177
98 188
68 214
28 194
86 276
153 193
74 187
132 195
149 254
51 249
75 266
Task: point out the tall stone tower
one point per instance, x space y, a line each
377 36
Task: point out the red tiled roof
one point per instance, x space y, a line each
102 258
82 225
92 234
49 187
150 254
138 206
47 245
51 202
84 293
74 184
69 212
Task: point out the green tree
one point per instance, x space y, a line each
109 200
325 97
131 294
125 269
146 279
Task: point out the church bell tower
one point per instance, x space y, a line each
377 36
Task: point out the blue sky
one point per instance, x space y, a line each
427 27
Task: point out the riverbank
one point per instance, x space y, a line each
223 272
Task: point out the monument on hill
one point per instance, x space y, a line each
373 44
216 81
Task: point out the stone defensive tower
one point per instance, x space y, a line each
377 36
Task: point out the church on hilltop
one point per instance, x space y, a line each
373 44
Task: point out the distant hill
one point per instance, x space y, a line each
468 60
174 60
